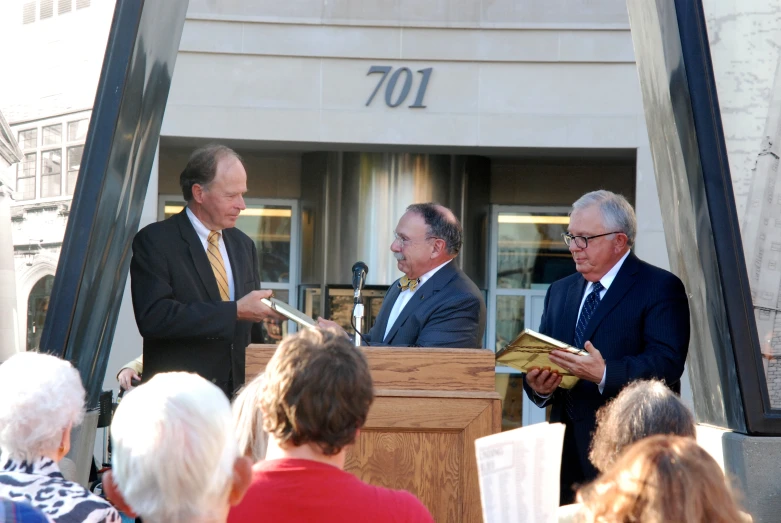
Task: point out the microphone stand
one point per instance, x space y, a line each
357 316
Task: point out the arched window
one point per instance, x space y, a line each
37 305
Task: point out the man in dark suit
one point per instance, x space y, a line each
195 277
631 317
435 304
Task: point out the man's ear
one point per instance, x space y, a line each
115 496
438 247
197 191
621 241
242 478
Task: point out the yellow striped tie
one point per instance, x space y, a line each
218 266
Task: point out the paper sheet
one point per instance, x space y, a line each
518 472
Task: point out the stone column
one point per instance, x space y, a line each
9 339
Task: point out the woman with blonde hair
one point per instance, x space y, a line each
661 479
248 420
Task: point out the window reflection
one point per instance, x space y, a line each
531 252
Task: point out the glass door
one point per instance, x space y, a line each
274 227
527 254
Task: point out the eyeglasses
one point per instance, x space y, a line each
581 242
401 241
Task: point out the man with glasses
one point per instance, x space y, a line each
630 317
434 304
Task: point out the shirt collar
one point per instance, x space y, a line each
431 273
608 278
41 466
200 229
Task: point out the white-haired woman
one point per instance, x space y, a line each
41 399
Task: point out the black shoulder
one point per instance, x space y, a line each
160 229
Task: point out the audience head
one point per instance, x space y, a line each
658 480
427 236
642 409
248 420
174 452
318 392
42 398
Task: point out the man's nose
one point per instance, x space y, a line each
573 247
241 205
395 246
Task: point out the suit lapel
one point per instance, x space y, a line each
571 309
425 292
236 261
198 255
620 286
385 310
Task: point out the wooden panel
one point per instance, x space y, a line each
411 368
425 464
487 422
446 414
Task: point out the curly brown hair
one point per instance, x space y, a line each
318 390
658 480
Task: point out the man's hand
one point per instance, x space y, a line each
328 324
590 368
250 308
125 377
543 381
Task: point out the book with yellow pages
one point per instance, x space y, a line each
530 350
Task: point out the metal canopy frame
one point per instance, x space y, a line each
118 154
700 216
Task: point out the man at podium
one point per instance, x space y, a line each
434 304
631 317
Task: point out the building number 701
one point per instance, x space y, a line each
390 87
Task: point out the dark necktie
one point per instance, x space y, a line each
589 306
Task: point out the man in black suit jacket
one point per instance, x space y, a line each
631 317
435 304
195 277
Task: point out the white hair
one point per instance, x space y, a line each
40 397
617 213
248 420
174 449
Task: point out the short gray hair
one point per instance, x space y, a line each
248 420
642 409
617 212
174 449
441 223
40 397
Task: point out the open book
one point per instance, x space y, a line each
530 350
518 472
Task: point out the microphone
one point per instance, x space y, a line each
359 277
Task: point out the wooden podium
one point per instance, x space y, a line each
430 406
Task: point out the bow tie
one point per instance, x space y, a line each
405 283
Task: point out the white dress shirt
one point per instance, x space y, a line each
405 296
606 281
203 233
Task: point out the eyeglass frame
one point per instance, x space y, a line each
401 241
572 237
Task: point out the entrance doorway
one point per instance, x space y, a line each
37 306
